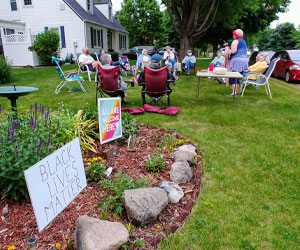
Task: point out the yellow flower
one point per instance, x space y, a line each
57 245
99 158
158 227
89 163
11 247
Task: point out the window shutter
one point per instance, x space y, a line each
102 39
62 36
92 37
125 45
46 28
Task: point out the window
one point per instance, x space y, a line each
13 5
96 38
88 5
110 13
27 2
9 31
122 42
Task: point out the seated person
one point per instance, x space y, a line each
170 60
132 69
106 64
189 61
155 64
143 60
259 67
101 52
86 60
218 61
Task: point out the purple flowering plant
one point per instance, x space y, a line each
24 141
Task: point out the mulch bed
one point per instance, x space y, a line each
18 223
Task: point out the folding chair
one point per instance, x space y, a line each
67 77
261 80
156 86
108 83
84 68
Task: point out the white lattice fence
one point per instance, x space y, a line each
16 38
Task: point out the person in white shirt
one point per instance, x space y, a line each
86 60
143 60
170 60
189 61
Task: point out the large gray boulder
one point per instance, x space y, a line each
95 234
188 147
143 205
181 172
183 155
173 190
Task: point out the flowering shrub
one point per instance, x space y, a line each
45 45
23 142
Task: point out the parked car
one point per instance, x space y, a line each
288 66
138 49
162 51
268 53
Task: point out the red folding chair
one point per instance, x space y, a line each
156 86
108 83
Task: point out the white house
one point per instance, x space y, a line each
79 23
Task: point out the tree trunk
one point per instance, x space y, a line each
215 49
186 43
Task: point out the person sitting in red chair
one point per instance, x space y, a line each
105 61
155 81
155 64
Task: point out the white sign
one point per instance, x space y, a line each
54 182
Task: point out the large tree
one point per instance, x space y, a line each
191 18
213 20
282 37
251 18
142 19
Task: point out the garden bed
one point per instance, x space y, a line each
18 222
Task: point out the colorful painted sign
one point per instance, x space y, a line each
110 123
54 182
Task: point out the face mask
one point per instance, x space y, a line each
168 50
189 54
218 55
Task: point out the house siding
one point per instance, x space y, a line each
49 14
54 14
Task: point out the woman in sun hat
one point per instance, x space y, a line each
238 59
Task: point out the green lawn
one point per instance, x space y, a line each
250 192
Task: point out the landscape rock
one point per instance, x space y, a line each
143 205
181 172
173 190
182 155
188 147
95 234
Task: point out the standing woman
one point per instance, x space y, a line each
239 60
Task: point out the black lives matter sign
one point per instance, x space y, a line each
54 182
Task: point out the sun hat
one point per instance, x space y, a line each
156 58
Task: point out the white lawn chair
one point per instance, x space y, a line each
261 80
85 69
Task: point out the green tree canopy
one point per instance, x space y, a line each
251 19
143 20
279 38
216 19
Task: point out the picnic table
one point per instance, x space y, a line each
206 74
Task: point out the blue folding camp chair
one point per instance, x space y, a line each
70 76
